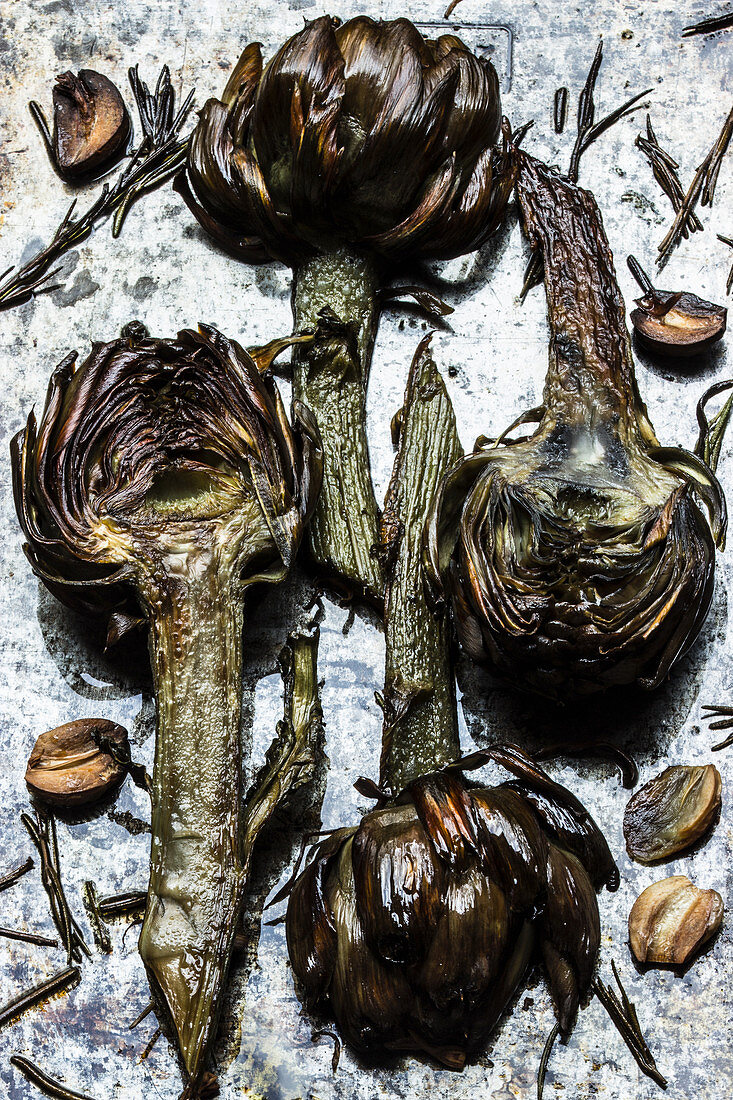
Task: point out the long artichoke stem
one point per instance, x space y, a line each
330 377
196 877
590 380
420 724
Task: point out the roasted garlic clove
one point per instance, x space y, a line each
671 812
676 324
91 125
672 919
68 768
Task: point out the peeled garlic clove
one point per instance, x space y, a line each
671 812
91 125
67 767
672 919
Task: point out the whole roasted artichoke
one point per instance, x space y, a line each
578 558
162 482
358 143
418 926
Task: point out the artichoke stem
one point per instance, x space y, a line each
420 724
196 876
330 377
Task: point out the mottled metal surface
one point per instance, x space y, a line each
164 272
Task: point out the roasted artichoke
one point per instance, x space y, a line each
577 559
358 143
163 481
418 926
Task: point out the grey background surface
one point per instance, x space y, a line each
165 272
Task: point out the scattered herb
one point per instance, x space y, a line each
701 189
708 26
99 930
560 113
712 433
42 832
141 1016
664 169
56 984
158 157
729 281
671 812
671 920
120 905
91 125
11 877
624 1016
41 1080
326 1034
153 1040
67 768
724 721
544 1060
28 937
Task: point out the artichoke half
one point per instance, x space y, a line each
164 478
577 559
359 145
416 927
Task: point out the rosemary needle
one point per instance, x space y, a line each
17 872
49 1085
55 984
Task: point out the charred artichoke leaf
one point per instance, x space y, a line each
577 559
165 472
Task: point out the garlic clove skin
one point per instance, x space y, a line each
67 768
671 920
672 812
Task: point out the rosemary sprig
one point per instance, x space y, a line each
55 984
664 168
623 1015
588 131
708 26
547 1051
560 109
41 1080
119 905
12 877
141 1016
158 157
42 832
28 937
729 281
99 928
724 721
701 189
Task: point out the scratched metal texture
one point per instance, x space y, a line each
165 272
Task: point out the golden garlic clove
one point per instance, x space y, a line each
672 919
91 124
691 326
68 768
671 812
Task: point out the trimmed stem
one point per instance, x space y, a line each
330 377
196 876
420 723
